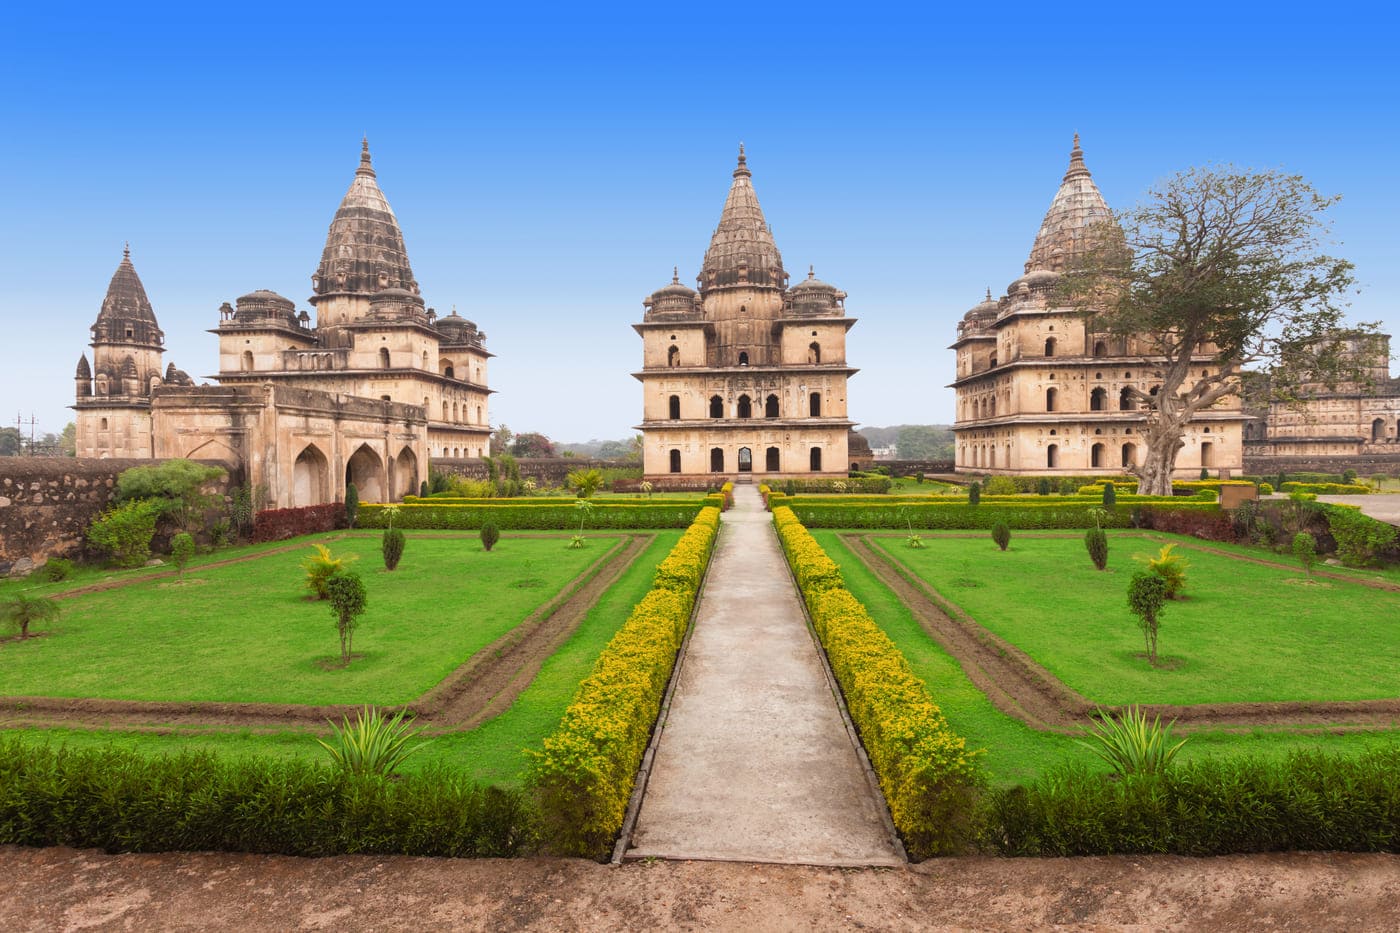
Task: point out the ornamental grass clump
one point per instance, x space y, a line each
373 743
23 610
1001 534
1129 743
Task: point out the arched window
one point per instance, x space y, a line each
444 414
1098 399
1096 456
772 463
1049 346
814 352
743 358
1125 400
449 372
1050 396
673 356
992 361
1129 455
425 359
1100 348
770 407
745 460
745 407
675 460
716 407
478 415
1377 430
992 457
247 361
103 425
675 404
1052 456
383 357
716 460
814 404
816 459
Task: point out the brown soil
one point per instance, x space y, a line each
67 890
482 687
1022 688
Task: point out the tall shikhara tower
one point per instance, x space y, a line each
746 375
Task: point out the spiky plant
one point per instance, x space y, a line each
321 566
1131 744
23 610
373 743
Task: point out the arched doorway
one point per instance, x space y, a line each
1096 456
770 407
366 471
405 474
1377 431
814 404
675 460
1052 455
745 460
772 462
311 476
816 460
1129 455
745 407
716 459
716 407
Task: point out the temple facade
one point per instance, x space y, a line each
1039 392
745 375
366 393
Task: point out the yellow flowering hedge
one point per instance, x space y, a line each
930 777
583 774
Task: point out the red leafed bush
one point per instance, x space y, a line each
280 524
1210 526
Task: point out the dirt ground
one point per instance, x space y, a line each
68 889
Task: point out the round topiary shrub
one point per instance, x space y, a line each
392 545
1265 489
490 534
1001 534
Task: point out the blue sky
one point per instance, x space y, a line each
549 164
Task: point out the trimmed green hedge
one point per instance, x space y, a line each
518 515
1328 489
930 778
1037 512
847 484
1308 802
584 773
122 801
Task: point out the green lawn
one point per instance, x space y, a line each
1016 753
493 752
1244 632
246 632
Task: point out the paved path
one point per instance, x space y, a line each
1383 507
755 762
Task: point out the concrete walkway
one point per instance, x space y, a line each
754 762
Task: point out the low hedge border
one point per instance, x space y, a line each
583 774
930 778
518 516
849 484
122 801
1328 489
1016 513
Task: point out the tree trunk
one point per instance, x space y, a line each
1163 443
344 644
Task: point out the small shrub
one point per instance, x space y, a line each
391 545
23 610
348 598
181 550
1265 489
1378 480
372 744
1281 479
321 566
919 478
1348 477
352 505
974 493
174 485
1000 486
585 482
423 489
125 532
790 488
1001 534
1096 542
914 541
55 569
1171 568
1130 744
1042 486
1359 537
1147 594
1110 496
1207 495
1305 550
1205 474
490 534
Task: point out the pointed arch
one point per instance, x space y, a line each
745 406
770 407
311 478
365 469
405 473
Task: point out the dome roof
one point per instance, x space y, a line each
458 331
364 250
742 250
986 309
264 305
1071 227
672 301
812 283
813 296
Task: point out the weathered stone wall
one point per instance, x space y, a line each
1364 465
47 503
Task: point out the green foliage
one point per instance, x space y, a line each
243 508
352 505
1026 513
1110 496
585 482
321 566
1282 478
914 541
391 545
974 493
55 569
423 490
1359 537
1042 486
23 610
1171 568
1000 486
125 531
1348 477
372 744
1310 802
1131 744
531 514
1205 474
1265 489
182 549
1327 489
1096 542
174 484
1147 594
438 481
121 801
348 599
1305 550
1001 534
490 534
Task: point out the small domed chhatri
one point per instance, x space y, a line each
1039 392
746 375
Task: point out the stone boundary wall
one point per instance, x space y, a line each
47 503
910 467
547 471
1364 465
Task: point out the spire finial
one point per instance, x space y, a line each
1076 140
1076 161
743 167
989 293
366 167
126 250
675 275
811 271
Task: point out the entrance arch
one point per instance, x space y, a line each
405 474
772 464
366 470
816 460
745 460
716 459
311 476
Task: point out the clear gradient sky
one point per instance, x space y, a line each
550 164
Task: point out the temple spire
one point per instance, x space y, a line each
366 168
743 167
1077 168
742 250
